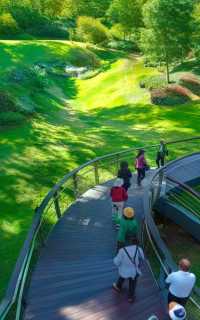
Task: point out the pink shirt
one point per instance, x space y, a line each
140 162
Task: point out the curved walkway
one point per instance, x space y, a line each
74 274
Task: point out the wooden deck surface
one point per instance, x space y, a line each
74 275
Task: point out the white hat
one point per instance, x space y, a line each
177 312
118 182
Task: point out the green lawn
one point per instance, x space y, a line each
78 120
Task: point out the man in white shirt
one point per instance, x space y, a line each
127 261
181 283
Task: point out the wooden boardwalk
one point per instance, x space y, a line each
75 272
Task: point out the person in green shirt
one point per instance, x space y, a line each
128 226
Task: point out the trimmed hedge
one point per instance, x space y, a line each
171 95
191 82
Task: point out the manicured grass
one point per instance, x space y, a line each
78 120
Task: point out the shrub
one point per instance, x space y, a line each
91 30
191 82
11 118
171 95
37 77
152 82
8 25
123 45
7 102
82 57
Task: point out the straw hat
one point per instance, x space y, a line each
118 182
176 311
129 212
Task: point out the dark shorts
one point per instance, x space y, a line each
172 298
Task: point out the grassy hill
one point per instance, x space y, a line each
74 120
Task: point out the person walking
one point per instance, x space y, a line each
140 165
128 226
181 283
161 154
119 196
128 261
177 311
125 174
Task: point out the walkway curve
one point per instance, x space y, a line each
74 274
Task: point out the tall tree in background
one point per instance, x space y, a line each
169 28
93 8
126 13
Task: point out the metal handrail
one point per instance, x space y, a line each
23 261
153 231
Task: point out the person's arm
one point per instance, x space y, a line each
116 219
121 232
118 259
169 278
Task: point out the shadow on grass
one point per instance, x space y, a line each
188 66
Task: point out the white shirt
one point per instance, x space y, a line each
126 268
181 283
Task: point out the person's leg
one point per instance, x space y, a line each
131 291
120 282
120 208
118 285
138 177
162 161
143 173
158 160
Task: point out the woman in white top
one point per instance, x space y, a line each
127 261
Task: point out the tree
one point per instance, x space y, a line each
126 13
169 28
93 8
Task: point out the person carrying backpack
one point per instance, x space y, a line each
119 196
127 261
125 174
128 226
140 165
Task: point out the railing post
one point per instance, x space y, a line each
96 173
117 164
57 206
75 182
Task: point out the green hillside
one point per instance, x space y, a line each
74 120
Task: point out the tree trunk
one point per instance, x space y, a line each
167 69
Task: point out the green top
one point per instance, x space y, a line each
127 226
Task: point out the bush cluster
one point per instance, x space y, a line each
8 25
32 22
170 95
9 110
191 82
91 30
153 82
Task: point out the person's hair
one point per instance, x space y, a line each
140 152
123 165
185 264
